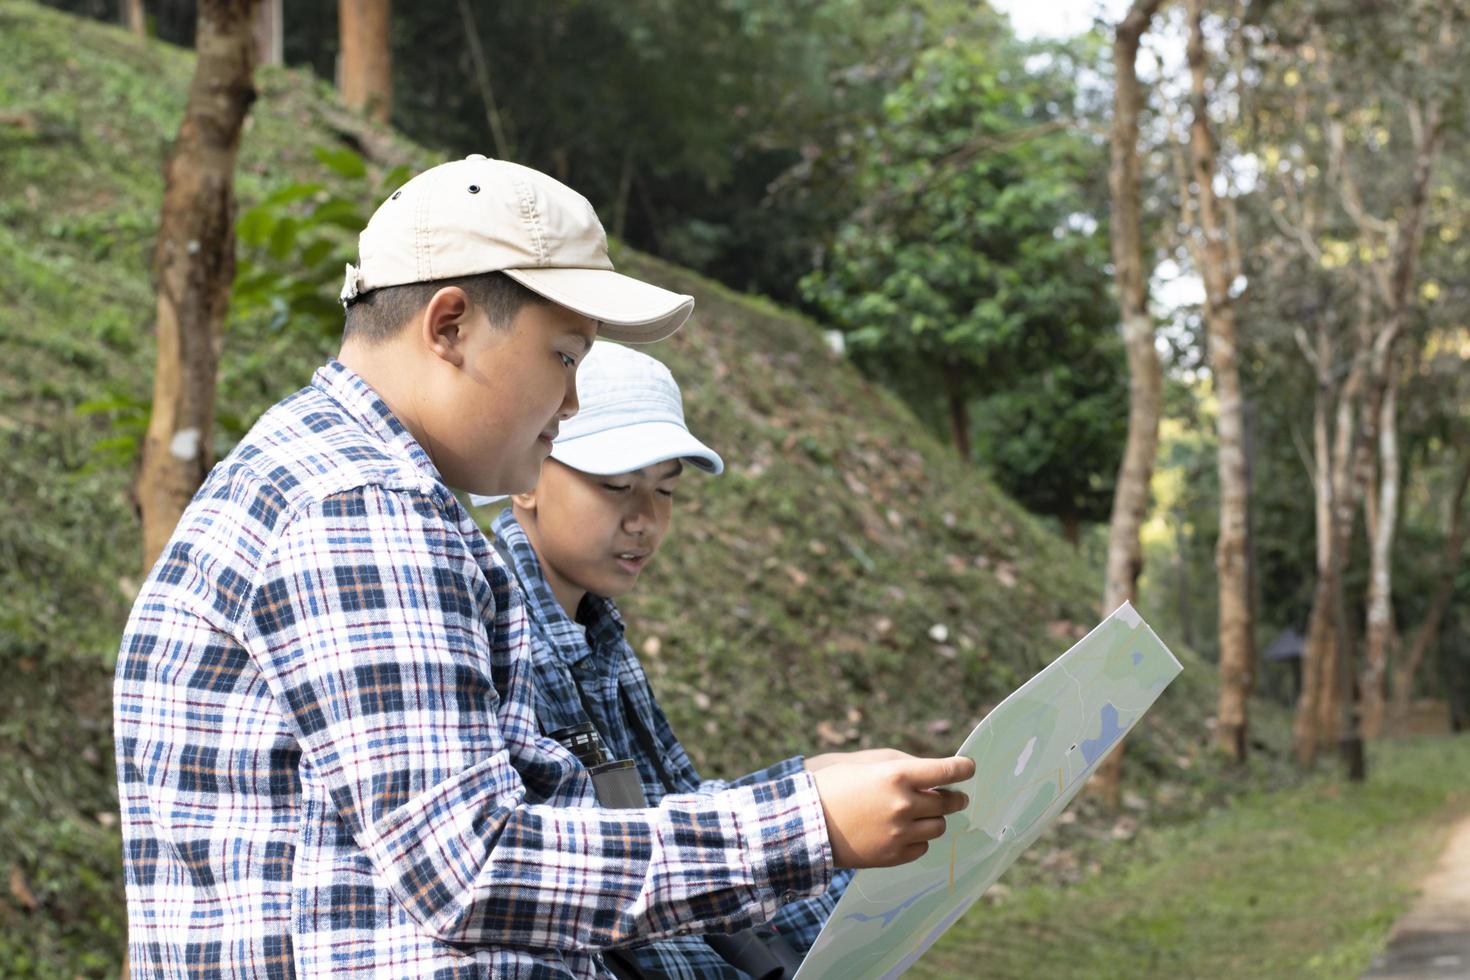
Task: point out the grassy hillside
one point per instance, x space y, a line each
846 583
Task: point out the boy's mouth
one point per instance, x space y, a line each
631 562
548 437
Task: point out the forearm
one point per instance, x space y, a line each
474 870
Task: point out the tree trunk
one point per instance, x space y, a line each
482 79
1072 531
1379 634
959 408
1322 443
1182 592
134 17
1428 633
1316 716
1237 629
1326 709
365 72
1145 399
194 264
270 33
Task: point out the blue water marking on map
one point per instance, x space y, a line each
1093 748
894 912
1137 658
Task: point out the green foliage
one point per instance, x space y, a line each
714 134
128 420
975 269
297 241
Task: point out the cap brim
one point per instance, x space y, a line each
628 309
632 447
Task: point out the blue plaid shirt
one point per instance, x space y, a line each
327 753
586 670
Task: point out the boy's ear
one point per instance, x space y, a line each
525 501
442 324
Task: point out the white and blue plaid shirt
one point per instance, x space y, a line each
585 670
328 759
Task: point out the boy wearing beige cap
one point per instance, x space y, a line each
327 756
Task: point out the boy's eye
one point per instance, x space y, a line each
666 493
566 359
616 487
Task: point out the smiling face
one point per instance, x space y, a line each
597 533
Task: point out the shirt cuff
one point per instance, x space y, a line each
791 854
782 769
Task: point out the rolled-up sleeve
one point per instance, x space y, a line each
377 634
784 769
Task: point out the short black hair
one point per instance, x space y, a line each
377 316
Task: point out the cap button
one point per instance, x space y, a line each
477 156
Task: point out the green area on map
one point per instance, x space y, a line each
1032 754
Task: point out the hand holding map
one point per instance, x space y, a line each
882 814
1032 754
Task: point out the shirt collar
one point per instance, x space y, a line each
571 640
365 406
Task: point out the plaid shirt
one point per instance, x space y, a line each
328 760
586 670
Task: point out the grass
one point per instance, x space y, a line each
1299 882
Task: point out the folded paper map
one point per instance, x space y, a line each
1032 754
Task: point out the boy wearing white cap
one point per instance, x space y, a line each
577 542
327 757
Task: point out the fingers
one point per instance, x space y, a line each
912 853
930 773
928 828
939 803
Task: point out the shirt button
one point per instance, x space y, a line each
787 897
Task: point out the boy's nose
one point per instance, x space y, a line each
639 517
569 403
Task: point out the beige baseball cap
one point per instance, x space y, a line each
480 215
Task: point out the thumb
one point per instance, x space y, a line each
929 773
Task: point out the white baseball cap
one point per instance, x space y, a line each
631 416
479 215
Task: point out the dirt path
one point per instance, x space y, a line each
1433 939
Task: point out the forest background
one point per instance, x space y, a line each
1173 309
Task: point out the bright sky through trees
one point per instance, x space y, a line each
1057 18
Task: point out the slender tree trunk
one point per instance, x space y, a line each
1182 583
1316 717
1072 531
270 33
1379 633
195 264
1321 354
134 17
1428 632
482 79
1326 710
1322 443
959 408
625 187
1145 399
1237 629
1408 241
365 72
